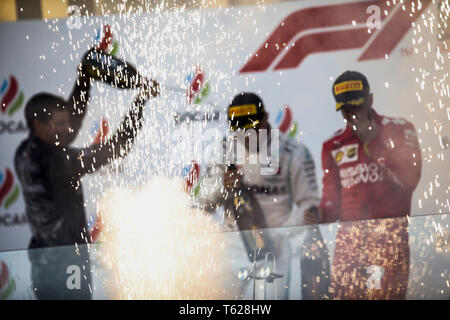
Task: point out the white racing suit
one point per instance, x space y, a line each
283 196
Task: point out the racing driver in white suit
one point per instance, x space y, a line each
284 185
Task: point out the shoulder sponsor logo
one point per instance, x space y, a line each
411 138
302 33
339 156
345 154
351 152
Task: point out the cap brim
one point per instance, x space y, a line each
250 125
355 102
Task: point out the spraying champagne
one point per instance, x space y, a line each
100 65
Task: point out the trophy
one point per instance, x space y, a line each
249 216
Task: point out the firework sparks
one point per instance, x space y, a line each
433 93
160 248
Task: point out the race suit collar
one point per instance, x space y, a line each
348 132
35 140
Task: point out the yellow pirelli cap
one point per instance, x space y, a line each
350 88
245 111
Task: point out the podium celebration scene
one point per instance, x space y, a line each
225 150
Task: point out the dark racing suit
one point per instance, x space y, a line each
369 183
51 181
51 175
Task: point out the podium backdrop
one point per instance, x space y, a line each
288 53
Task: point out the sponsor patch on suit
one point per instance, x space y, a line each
345 154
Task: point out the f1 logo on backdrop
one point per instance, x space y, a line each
335 27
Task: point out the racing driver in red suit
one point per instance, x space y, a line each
371 168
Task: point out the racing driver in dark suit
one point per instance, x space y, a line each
50 170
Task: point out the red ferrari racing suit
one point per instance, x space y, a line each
368 183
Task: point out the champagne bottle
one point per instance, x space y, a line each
248 214
315 264
104 67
